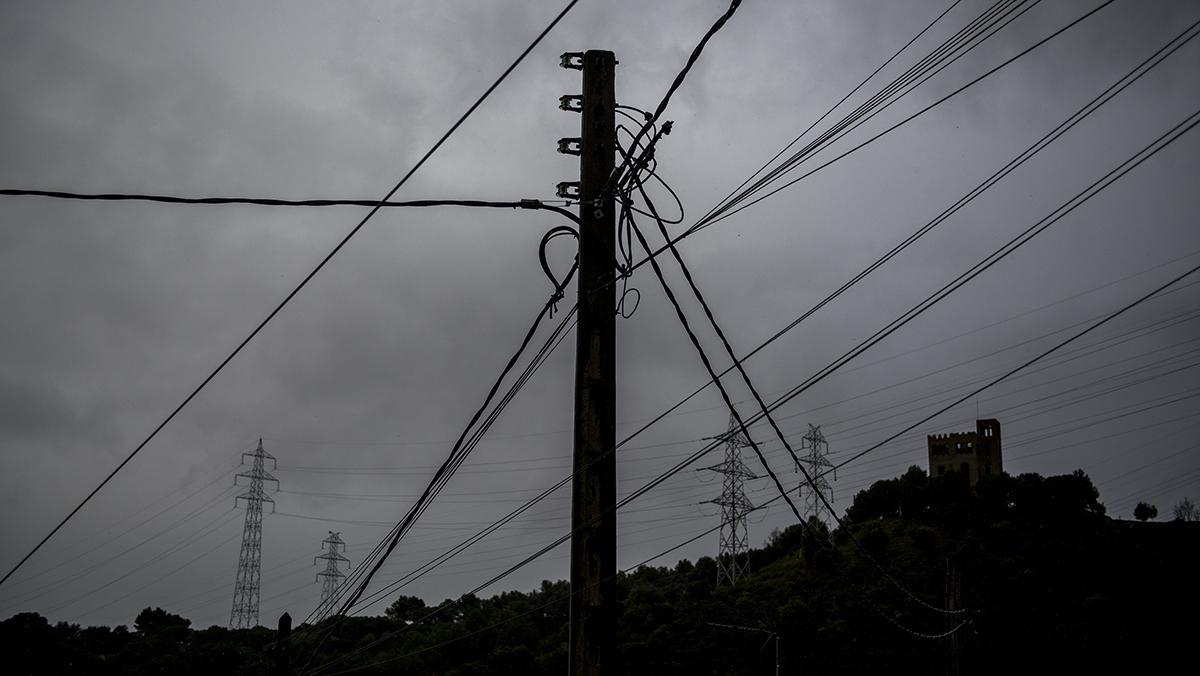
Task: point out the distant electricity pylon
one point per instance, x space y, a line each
817 464
331 578
245 590
731 561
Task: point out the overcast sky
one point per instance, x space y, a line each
113 312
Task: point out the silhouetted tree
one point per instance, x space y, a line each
407 609
1145 512
1186 510
157 620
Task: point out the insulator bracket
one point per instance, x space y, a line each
571 102
570 146
571 60
568 190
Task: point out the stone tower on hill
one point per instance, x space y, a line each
976 454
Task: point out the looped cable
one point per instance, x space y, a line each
626 314
559 286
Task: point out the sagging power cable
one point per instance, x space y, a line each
303 282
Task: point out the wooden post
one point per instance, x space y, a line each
594 487
282 667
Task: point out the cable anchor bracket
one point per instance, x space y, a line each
571 60
568 190
570 146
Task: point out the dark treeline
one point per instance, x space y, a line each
1049 583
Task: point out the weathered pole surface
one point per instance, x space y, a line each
282 666
593 640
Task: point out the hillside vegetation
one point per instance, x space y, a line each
1046 580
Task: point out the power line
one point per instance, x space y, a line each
615 175
462 446
1112 176
762 404
1133 75
93 566
89 549
1083 351
360 577
1039 357
827 113
1056 215
1078 353
1111 316
987 262
500 465
904 121
1056 449
304 282
1047 353
271 202
208 528
1005 250
994 19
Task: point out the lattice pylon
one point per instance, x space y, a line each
246 587
733 533
331 578
817 464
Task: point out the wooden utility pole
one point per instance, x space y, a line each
953 602
593 638
282 666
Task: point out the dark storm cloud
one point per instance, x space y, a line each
113 312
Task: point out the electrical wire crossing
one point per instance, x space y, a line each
307 278
1166 139
275 202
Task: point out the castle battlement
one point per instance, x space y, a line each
973 454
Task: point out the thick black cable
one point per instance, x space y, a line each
680 77
834 107
455 457
668 551
445 556
762 404
352 589
1004 251
1084 111
904 121
1023 366
459 457
1153 148
304 282
1092 327
271 202
1120 85
708 367
986 25
617 173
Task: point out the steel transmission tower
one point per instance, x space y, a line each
331 578
245 590
817 464
735 540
